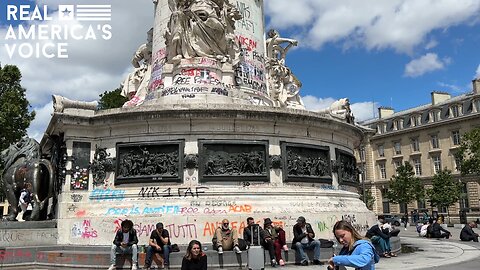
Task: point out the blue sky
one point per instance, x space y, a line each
375 52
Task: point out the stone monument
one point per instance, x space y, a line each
215 128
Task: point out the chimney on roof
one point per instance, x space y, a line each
384 112
476 85
438 97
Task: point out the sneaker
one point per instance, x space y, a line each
220 250
305 263
285 247
134 267
237 250
316 262
281 262
112 267
273 262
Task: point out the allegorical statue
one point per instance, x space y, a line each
340 109
202 28
284 86
135 86
22 166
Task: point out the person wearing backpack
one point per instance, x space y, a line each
356 252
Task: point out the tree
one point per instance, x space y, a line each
445 190
15 116
405 187
112 99
369 200
468 154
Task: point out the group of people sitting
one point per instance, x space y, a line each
434 229
271 237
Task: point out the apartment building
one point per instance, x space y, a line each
428 137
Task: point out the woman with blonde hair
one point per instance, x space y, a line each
356 252
195 259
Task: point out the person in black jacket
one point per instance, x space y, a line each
438 231
125 242
381 236
304 238
195 259
467 233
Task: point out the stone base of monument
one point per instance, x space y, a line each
98 257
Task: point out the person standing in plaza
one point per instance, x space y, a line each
195 259
125 242
356 251
159 242
304 238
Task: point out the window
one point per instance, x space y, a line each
456 137
362 154
398 148
417 165
415 145
477 105
435 143
437 164
381 150
421 204
383 171
464 203
385 201
454 110
403 207
398 163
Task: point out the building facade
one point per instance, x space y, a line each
427 137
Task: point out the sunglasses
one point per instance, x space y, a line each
225 224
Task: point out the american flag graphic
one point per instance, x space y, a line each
93 12
85 12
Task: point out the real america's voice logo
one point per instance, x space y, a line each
44 31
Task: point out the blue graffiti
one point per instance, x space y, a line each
134 210
107 195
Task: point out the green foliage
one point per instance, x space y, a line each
369 200
15 116
445 189
469 153
405 187
112 99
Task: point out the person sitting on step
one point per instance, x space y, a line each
125 242
379 235
277 236
304 238
225 238
159 243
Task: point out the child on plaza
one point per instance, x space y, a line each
356 251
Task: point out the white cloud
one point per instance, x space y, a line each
431 44
452 87
313 103
398 24
42 118
427 63
364 110
477 73
361 110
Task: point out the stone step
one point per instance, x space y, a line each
98 257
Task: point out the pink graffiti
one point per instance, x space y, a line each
88 232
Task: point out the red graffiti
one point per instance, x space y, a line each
247 43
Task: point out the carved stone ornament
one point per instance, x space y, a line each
191 161
347 168
276 161
101 164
